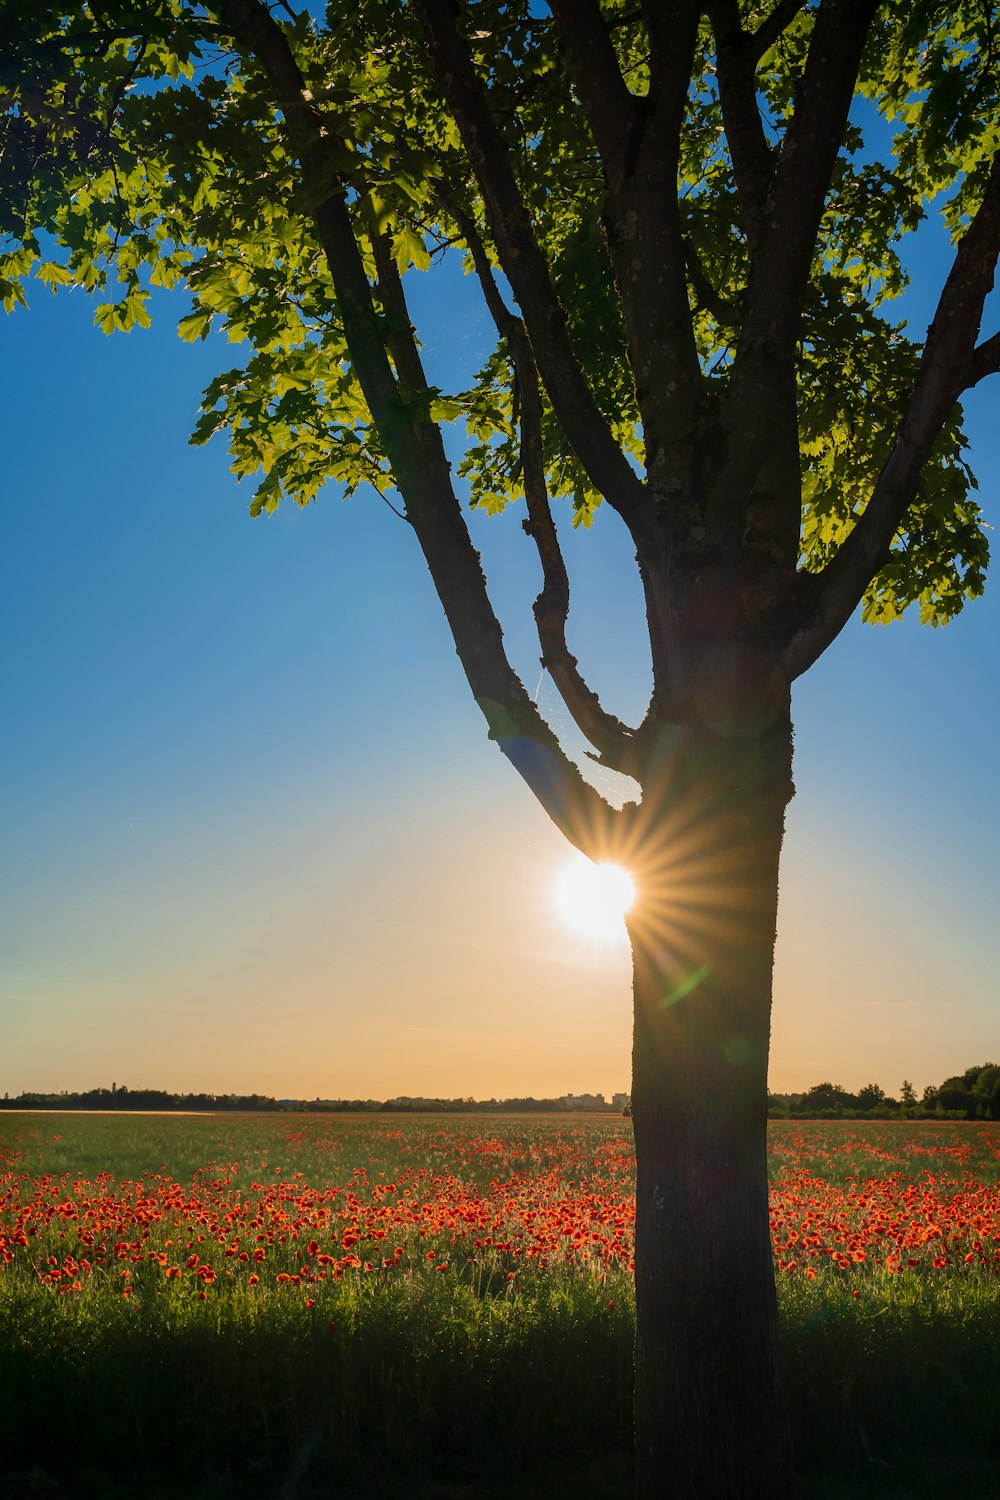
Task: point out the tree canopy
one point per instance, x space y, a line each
291 172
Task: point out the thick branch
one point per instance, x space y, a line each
764 367
812 141
645 236
525 266
416 453
399 334
667 21
770 544
950 353
753 165
609 107
611 738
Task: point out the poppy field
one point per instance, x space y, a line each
301 1303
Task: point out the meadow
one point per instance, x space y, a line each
305 1306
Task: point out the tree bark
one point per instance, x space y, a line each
710 1416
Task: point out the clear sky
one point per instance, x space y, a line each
254 837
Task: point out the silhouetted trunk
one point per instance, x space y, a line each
710 1414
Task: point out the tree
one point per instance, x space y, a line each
827 1098
907 1095
685 222
953 1094
977 1091
870 1096
986 1091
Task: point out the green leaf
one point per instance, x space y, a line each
105 317
407 246
52 274
195 325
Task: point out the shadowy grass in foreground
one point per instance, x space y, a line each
415 1389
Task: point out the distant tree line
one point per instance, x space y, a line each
122 1098
140 1099
972 1095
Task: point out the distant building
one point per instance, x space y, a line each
619 1101
584 1101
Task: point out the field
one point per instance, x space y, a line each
305 1306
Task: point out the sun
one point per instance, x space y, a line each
593 899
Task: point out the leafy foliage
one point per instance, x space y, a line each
140 151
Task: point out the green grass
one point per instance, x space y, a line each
499 1376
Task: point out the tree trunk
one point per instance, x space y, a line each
710 1416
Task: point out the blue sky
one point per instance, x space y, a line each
255 838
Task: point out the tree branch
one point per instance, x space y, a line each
805 165
610 108
416 453
667 21
950 354
525 267
772 27
645 237
985 361
725 313
764 366
610 737
753 164
399 333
